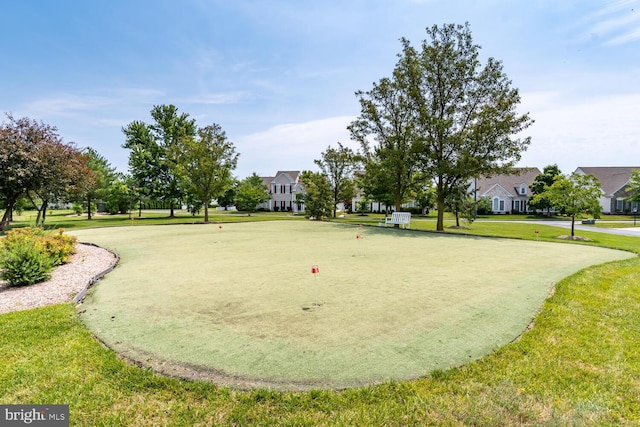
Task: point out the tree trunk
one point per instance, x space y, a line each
5 219
206 212
573 220
398 208
457 218
171 213
440 223
45 205
88 207
42 212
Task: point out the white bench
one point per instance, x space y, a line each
400 218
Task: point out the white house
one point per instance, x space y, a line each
509 193
283 189
613 182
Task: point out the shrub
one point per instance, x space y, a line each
25 264
27 255
59 247
77 208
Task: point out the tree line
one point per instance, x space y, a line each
440 119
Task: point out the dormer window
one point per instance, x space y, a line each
523 190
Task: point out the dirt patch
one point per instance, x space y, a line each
574 238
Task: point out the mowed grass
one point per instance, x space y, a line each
578 365
238 301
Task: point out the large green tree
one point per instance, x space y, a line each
540 184
36 163
205 162
634 188
385 129
318 199
17 161
63 167
339 165
376 184
464 113
250 192
31 155
152 161
574 195
100 177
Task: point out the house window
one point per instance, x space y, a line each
523 190
275 189
516 206
619 205
496 206
501 205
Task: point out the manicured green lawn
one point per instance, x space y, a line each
65 219
394 304
578 365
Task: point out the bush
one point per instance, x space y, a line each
25 265
59 247
27 255
77 208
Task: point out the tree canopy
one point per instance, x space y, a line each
540 184
250 192
317 197
385 130
98 178
466 113
35 162
574 195
151 163
634 188
443 113
339 165
204 163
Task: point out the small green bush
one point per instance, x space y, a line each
25 265
28 255
77 208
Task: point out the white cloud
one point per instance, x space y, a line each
616 23
292 146
85 104
601 131
66 104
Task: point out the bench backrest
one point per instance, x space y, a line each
401 216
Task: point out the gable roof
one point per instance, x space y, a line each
509 182
293 175
267 180
612 178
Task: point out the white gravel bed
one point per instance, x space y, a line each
66 282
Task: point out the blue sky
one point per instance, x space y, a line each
279 76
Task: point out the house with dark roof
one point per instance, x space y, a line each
284 188
613 182
509 193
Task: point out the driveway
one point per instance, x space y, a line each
623 231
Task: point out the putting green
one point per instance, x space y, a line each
236 303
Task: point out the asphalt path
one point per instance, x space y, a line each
622 231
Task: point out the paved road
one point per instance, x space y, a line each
623 231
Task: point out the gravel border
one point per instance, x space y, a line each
69 282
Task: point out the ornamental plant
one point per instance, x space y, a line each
28 255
